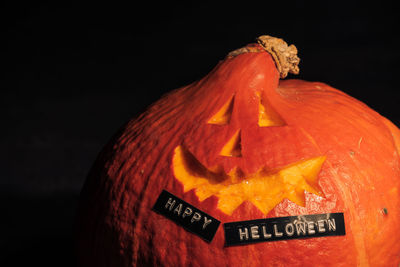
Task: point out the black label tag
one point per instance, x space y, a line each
187 216
284 228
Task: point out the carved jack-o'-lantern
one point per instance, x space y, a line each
238 153
240 145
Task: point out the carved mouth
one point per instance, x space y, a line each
265 188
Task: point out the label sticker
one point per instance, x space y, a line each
186 215
284 228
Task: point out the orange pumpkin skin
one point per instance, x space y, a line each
360 176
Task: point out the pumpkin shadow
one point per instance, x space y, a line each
37 231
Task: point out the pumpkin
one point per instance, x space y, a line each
242 145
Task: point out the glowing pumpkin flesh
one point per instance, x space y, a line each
242 145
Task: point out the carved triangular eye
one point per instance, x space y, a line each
223 115
267 116
233 148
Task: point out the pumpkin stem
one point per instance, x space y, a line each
285 57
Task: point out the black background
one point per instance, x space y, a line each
75 72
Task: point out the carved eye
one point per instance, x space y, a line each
223 116
267 116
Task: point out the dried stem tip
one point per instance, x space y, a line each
285 56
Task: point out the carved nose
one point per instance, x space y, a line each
233 148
